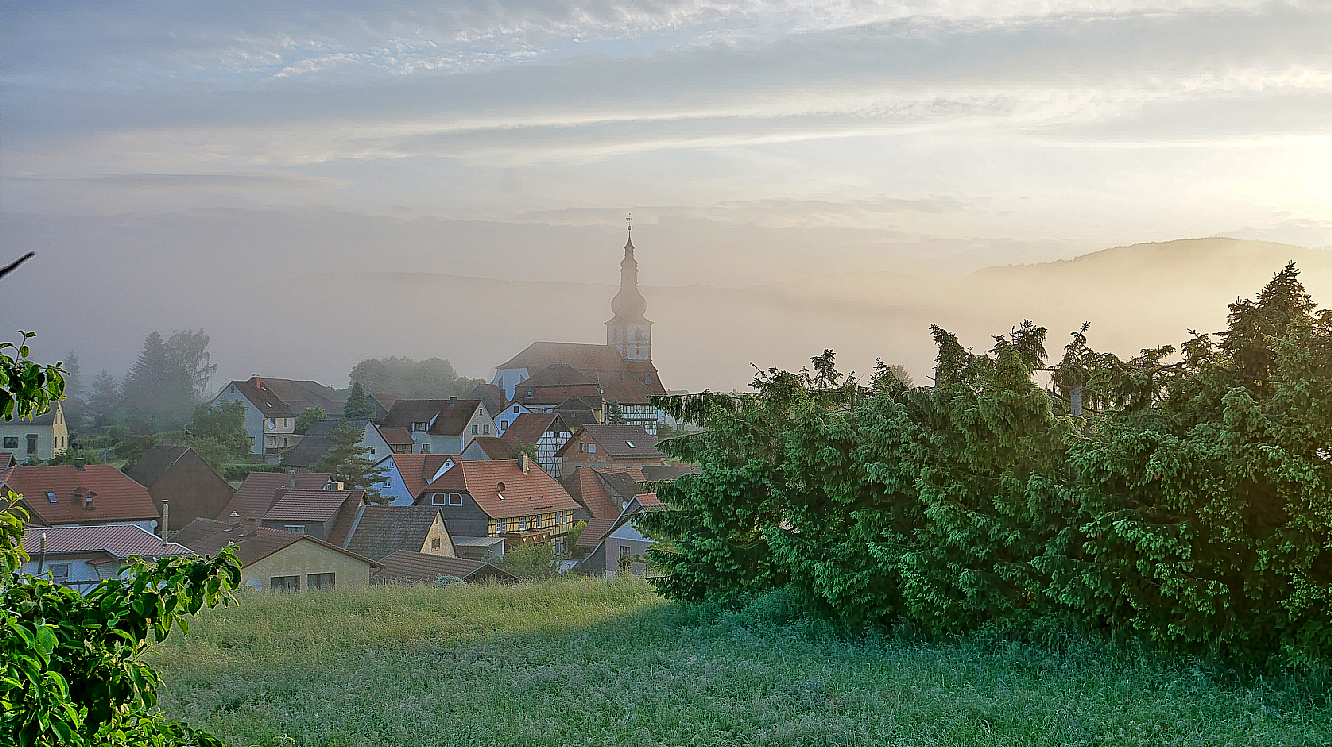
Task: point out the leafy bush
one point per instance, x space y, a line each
531 562
1189 504
237 472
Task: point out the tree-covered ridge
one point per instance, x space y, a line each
1190 503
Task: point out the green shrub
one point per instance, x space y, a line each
1189 505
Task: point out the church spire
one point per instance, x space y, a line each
630 332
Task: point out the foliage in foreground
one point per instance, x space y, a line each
584 661
70 665
1189 505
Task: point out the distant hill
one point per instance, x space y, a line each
317 326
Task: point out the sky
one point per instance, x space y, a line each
754 143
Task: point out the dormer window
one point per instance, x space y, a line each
420 426
630 444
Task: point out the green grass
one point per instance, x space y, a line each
584 662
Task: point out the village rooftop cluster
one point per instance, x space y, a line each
565 436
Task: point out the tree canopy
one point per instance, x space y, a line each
1188 505
405 378
347 462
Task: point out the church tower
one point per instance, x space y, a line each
630 332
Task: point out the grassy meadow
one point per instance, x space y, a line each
587 662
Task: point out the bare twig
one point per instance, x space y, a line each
14 265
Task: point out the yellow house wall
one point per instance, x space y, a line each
438 531
306 557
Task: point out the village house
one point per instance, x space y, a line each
623 549
81 494
284 561
317 443
622 446
602 494
406 568
508 415
512 499
272 406
178 475
380 531
82 556
441 426
490 447
547 432
491 396
261 490
407 475
323 514
399 440
43 437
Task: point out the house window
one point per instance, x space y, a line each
51 497
503 424
420 426
522 524
284 583
582 447
294 528
625 552
455 499
59 572
434 543
485 428
515 409
11 442
591 448
559 545
319 581
501 526
372 451
439 499
32 443
475 428
630 443
425 448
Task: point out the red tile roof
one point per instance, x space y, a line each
585 487
260 491
596 530
115 497
503 490
119 541
396 436
648 500
418 469
528 427
287 398
418 568
447 417
623 441
256 544
496 448
312 505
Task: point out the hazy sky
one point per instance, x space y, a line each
759 141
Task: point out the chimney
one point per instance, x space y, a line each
256 381
80 463
165 522
291 480
87 502
523 461
453 400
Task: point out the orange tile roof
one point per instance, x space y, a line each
115 497
585 486
260 491
119 541
503 490
417 469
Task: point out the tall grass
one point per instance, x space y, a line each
587 662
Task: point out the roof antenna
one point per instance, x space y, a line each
629 219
